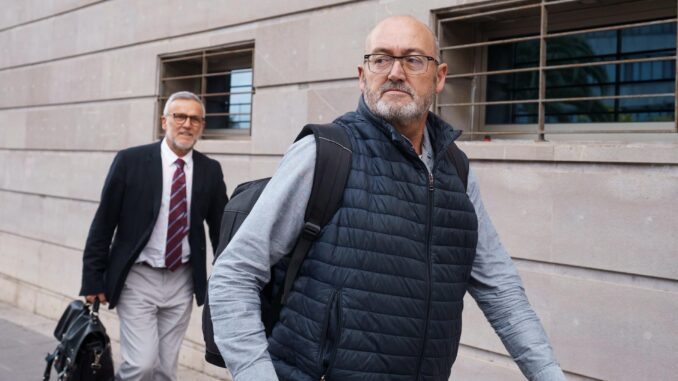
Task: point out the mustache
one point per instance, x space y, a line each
400 86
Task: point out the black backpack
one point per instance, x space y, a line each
84 349
333 164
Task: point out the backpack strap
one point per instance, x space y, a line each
332 166
460 161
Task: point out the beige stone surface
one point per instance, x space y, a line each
54 220
15 13
322 47
109 75
609 330
116 24
608 217
661 149
280 123
101 126
77 175
52 267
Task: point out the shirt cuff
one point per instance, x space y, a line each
261 371
550 373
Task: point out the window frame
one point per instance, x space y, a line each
478 49
204 54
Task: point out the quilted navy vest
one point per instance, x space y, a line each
380 294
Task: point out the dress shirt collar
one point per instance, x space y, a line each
169 157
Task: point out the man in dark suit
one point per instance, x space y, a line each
145 252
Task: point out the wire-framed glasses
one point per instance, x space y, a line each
412 64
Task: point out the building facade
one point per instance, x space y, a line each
568 109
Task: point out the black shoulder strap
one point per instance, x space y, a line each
460 162
332 166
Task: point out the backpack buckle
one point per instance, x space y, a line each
311 229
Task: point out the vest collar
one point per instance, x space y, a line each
440 132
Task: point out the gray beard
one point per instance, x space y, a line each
396 114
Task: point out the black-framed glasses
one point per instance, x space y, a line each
412 64
196 121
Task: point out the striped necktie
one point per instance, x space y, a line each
177 223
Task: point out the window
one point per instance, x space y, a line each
537 68
222 78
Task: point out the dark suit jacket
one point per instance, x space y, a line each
130 203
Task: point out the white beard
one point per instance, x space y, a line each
394 113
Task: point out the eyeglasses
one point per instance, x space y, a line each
196 121
412 64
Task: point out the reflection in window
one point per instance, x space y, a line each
233 108
655 77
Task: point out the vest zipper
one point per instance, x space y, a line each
429 223
328 350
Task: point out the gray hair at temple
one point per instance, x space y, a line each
182 95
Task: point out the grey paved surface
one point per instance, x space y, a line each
22 352
25 339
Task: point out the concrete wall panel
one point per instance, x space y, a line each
580 214
63 174
609 331
132 72
325 103
323 47
107 126
55 268
111 75
60 221
19 12
115 24
281 112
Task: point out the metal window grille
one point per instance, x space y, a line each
222 78
473 20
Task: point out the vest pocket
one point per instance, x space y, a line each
330 335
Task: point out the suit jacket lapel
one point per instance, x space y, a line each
155 178
199 178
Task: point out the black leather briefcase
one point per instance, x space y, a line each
84 349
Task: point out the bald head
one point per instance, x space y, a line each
402 32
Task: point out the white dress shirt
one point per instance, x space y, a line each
154 252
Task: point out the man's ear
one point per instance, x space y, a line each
361 78
441 73
163 121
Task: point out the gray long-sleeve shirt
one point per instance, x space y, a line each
270 232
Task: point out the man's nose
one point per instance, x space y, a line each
397 72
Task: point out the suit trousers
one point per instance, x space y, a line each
154 311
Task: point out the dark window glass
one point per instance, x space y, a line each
616 79
232 107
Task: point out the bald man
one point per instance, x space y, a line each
380 294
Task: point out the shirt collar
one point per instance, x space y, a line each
169 157
427 150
